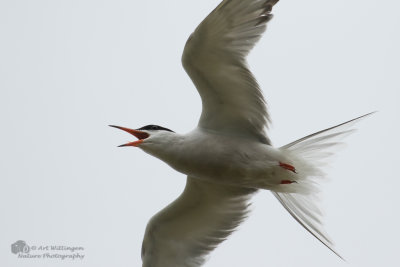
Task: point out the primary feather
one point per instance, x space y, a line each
215 59
204 215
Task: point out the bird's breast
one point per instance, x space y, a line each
222 159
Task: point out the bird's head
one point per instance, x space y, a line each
147 135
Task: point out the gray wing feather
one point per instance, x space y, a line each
204 215
215 59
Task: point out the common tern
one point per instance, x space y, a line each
229 156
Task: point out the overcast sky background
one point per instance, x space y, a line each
70 68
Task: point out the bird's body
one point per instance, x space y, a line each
229 156
234 160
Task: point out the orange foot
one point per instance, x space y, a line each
287 167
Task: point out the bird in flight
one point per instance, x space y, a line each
229 156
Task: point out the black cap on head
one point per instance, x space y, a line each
155 128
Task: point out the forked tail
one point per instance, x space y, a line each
309 154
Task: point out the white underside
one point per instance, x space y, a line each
223 171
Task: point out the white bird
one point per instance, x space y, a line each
228 156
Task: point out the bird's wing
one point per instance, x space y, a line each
184 232
215 59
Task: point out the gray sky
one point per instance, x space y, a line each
70 68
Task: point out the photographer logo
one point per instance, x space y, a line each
20 247
55 252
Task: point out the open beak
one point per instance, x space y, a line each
138 134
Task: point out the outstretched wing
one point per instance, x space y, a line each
184 232
215 59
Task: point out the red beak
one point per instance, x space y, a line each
138 134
